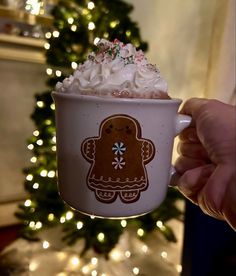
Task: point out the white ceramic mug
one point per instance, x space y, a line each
114 155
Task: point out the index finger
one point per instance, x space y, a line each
192 107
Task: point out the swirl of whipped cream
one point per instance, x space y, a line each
116 70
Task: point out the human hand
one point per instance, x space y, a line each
207 163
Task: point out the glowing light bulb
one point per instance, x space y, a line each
164 254
91 5
94 261
128 33
38 225
55 34
49 71
74 261
28 203
106 35
96 40
79 225
51 217
39 142
33 159
48 122
74 65
33 6
159 223
36 133
144 248
73 28
85 269
30 146
54 148
33 266
35 186
92 217
101 237
70 20
94 273
116 255
91 26
85 11
51 174
62 219
52 106
140 232
123 223
113 24
54 139
44 173
48 35
40 104
46 244
136 270
69 215
178 268
47 46
32 224
127 254
29 177
58 73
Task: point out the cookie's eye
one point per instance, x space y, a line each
128 130
109 129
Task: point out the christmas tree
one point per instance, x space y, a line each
78 25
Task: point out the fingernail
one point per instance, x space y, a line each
174 179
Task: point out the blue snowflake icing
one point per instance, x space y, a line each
119 148
118 163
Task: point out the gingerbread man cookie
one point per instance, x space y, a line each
118 157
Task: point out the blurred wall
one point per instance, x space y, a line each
193 43
19 82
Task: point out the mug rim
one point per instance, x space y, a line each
113 99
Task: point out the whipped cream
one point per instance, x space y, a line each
116 70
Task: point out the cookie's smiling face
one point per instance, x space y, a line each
119 125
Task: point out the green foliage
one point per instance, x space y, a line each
111 20
44 207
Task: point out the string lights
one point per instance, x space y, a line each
34 6
45 244
46 46
91 5
101 237
79 225
91 26
40 104
35 185
73 28
28 203
94 266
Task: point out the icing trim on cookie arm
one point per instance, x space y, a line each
88 149
147 151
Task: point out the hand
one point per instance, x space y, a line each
207 161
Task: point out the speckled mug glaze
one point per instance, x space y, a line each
114 155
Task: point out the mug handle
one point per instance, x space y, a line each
182 122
